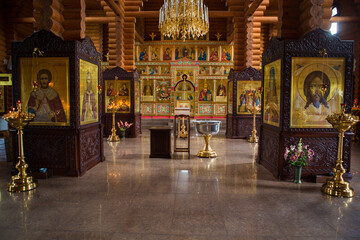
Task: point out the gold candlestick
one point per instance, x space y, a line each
19 119
337 186
113 137
254 110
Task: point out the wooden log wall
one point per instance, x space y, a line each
351 31
95 32
257 19
2 38
239 38
74 19
113 36
48 16
17 30
129 35
315 14
289 19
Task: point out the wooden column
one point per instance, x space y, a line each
249 44
257 21
113 35
129 33
2 38
288 16
315 14
74 19
48 15
95 32
239 36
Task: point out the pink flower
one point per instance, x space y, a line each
306 147
293 158
292 147
286 153
311 152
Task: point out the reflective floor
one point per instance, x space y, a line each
130 196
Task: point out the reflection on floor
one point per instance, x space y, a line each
130 196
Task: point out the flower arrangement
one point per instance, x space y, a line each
124 125
299 156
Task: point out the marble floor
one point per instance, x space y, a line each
130 196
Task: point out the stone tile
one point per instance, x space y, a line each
146 221
259 223
133 236
198 224
196 204
130 196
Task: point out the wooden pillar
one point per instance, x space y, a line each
129 34
48 15
249 44
113 35
2 38
74 19
256 33
95 32
288 19
315 14
239 36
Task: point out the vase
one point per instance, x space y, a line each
297 175
122 134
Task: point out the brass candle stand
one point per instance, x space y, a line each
113 137
19 119
337 186
182 129
254 110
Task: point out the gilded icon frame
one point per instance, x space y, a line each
89 81
244 90
272 90
58 89
317 87
119 97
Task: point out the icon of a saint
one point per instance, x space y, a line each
89 111
45 102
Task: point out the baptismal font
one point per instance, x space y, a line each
19 119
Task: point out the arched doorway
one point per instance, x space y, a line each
184 96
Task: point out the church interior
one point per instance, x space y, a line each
179 119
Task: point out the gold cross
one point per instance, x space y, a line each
152 35
218 35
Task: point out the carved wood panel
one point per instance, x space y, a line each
323 140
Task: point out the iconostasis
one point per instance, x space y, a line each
177 74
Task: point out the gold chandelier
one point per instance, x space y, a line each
184 19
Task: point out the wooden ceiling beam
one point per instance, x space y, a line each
138 3
99 19
345 19
255 4
115 7
266 19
